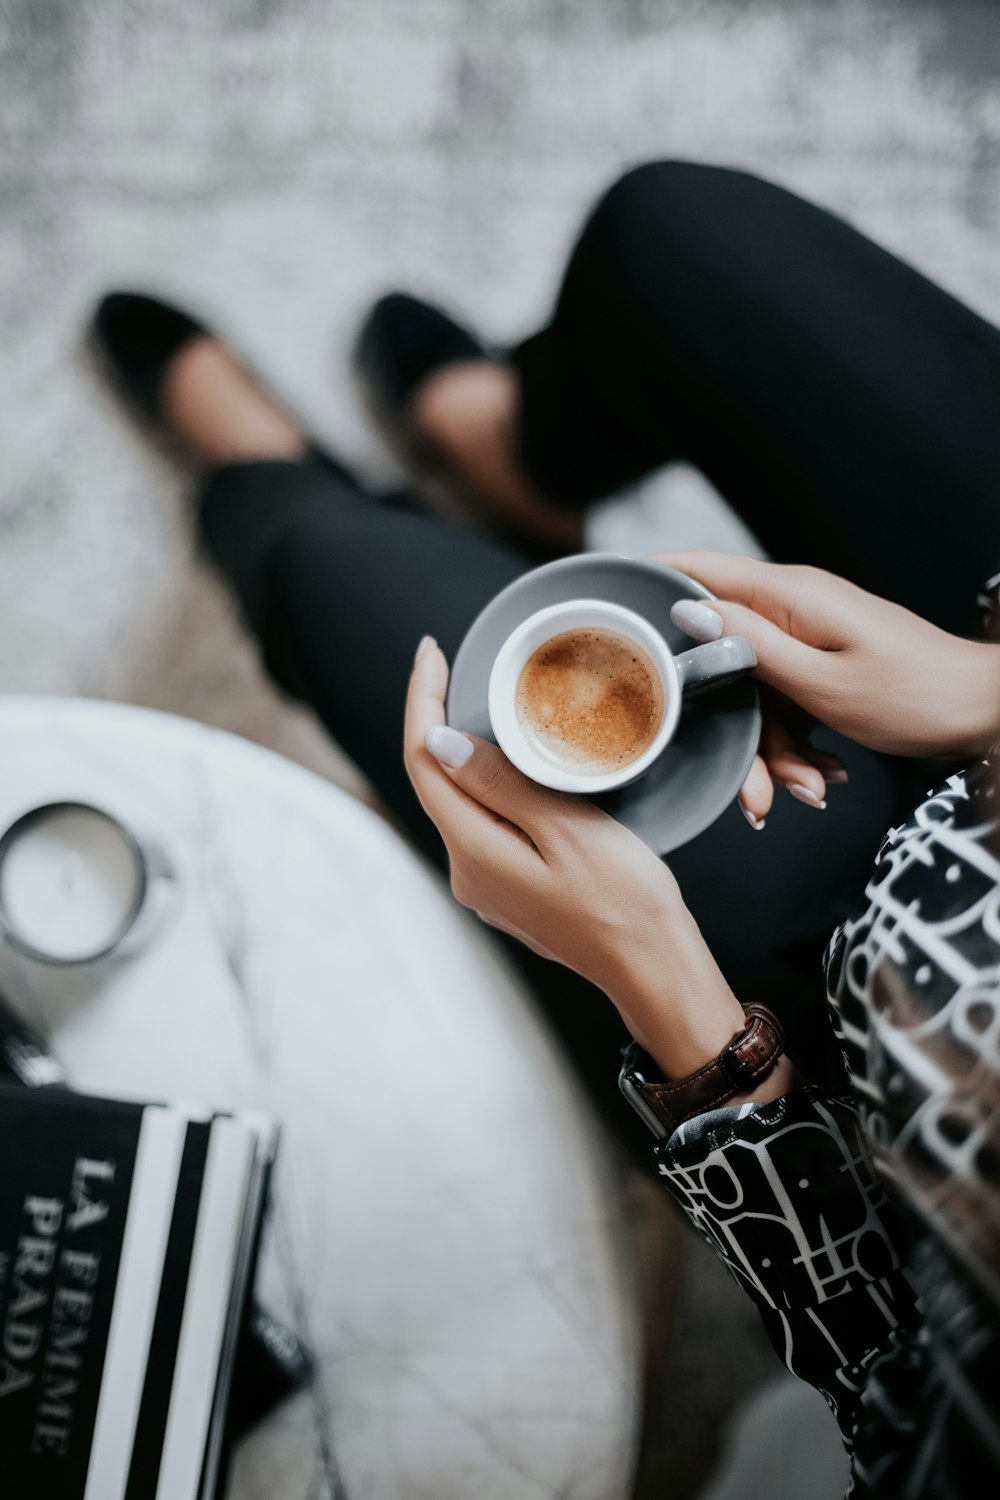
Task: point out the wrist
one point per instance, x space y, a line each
972 721
674 998
751 1068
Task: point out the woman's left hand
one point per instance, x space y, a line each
567 880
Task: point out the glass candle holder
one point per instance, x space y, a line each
76 885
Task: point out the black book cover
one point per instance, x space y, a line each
271 1361
66 1167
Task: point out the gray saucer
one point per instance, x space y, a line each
705 764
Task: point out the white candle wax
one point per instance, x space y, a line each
69 882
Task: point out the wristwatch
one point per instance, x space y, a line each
666 1103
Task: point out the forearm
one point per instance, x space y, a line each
678 1006
970 699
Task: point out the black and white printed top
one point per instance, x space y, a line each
865 1223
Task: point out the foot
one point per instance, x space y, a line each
449 410
468 414
217 411
178 374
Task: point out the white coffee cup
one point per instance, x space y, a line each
711 665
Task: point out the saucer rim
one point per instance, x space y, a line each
666 844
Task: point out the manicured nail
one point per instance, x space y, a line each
835 778
804 794
426 641
697 620
755 823
448 746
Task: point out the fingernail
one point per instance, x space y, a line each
835 778
425 642
755 823
697 620
448 746
804 794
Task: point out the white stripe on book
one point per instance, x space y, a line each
147 1225
220 1222
266 1130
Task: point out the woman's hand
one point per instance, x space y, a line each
829 651
569 882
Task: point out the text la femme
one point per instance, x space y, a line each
44 1272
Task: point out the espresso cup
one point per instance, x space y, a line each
700 669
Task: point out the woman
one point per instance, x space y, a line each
841 403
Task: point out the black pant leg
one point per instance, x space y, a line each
339 586
841 402
845 406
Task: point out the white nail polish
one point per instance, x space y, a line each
697 620
755 823
448 746
425 642
803 794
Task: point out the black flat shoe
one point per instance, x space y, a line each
401 344
137 337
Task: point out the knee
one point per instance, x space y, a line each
680 197
651 181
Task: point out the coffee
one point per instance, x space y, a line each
589 699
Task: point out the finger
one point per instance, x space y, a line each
485 774
789 765
757 794
456 816
783 662
803 601
779 710
830 766
425 695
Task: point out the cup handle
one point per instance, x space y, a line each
715 664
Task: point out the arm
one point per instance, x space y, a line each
779 1184
577 888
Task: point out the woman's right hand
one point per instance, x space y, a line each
867 668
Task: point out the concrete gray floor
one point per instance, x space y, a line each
278 164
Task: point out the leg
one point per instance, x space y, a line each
340 586
820 383
322 567
842 403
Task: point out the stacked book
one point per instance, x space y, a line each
128 1235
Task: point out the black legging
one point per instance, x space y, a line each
843 404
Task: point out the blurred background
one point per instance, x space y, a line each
275 164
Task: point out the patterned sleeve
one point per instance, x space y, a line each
788 1197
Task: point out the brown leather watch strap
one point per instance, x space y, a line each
741 1064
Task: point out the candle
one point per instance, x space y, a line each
72 882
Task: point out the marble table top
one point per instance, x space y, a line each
446 1228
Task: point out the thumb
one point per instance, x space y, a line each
483 772
782 661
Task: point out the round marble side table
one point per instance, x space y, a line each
445 1227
